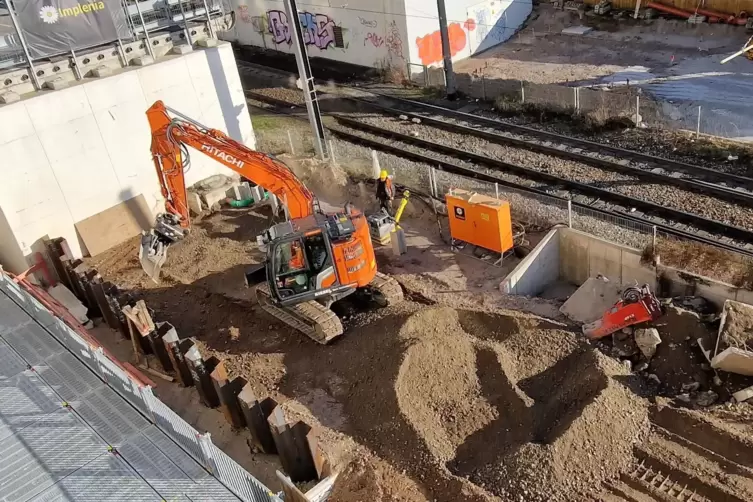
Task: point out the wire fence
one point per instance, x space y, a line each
697 103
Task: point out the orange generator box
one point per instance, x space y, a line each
480 220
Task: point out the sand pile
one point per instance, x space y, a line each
523 412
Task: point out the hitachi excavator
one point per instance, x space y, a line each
313 258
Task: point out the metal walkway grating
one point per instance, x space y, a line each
65 435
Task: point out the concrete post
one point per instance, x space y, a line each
332 157
449 74
653 239
375 164
570 213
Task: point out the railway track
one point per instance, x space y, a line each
585 196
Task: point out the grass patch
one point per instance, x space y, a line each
267 123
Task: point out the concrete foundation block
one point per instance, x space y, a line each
194 202
215 196
207 42
9 97
181 49
67 299
245 191
56 84
102 72
257 193
234 192
142 60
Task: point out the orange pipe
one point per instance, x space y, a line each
678 12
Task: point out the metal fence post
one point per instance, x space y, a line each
146 32
332 157
483 87
637 110
426 75
496 190
698 125
32 71
290 141
522 92
653 240
575 98
209 21
570 213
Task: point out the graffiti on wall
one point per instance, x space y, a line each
369 23
373 39
244 14
319 30
430 46
394 41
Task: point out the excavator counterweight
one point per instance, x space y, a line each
312 259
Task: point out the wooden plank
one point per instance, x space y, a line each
115 225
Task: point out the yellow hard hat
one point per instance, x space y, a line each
383 175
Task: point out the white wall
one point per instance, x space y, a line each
473 26
373 31
537 270
69 154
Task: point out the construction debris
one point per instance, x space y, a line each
647 340
743 395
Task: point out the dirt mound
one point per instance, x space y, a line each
518 408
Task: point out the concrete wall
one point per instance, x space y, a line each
535 271
364 32
70 154
573 256
380 32
473 26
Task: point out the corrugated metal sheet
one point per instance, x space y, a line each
23 399
10 363
111 417
177 428
11 315
33 343
236 477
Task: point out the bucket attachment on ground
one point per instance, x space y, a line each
637 305
154 244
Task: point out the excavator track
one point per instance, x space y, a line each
388 288
310 318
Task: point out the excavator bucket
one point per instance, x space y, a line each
154 244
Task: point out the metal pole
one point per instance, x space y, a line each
496 190
653 240
698 125
76 69
189 39
121 52
290 140
332 157
146 32
209 20
575 98
637 110
522 92
307 79
570 213
25 47
483 87
446 54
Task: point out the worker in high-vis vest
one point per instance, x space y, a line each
385 191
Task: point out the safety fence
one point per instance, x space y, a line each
699 103
535 210
296 444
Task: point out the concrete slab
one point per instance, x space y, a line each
591 300
743 395
182 49
115 225
56 84
734 361
102 71
9 97
576 30
207 42
142 61
67 299
194 202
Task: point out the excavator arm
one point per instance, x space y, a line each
172 135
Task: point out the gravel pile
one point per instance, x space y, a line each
523 412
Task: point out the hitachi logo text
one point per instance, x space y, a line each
222 155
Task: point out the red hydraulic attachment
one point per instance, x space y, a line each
637 305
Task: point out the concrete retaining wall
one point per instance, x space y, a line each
70 154
578 256
536 270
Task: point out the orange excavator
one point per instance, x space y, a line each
313 258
